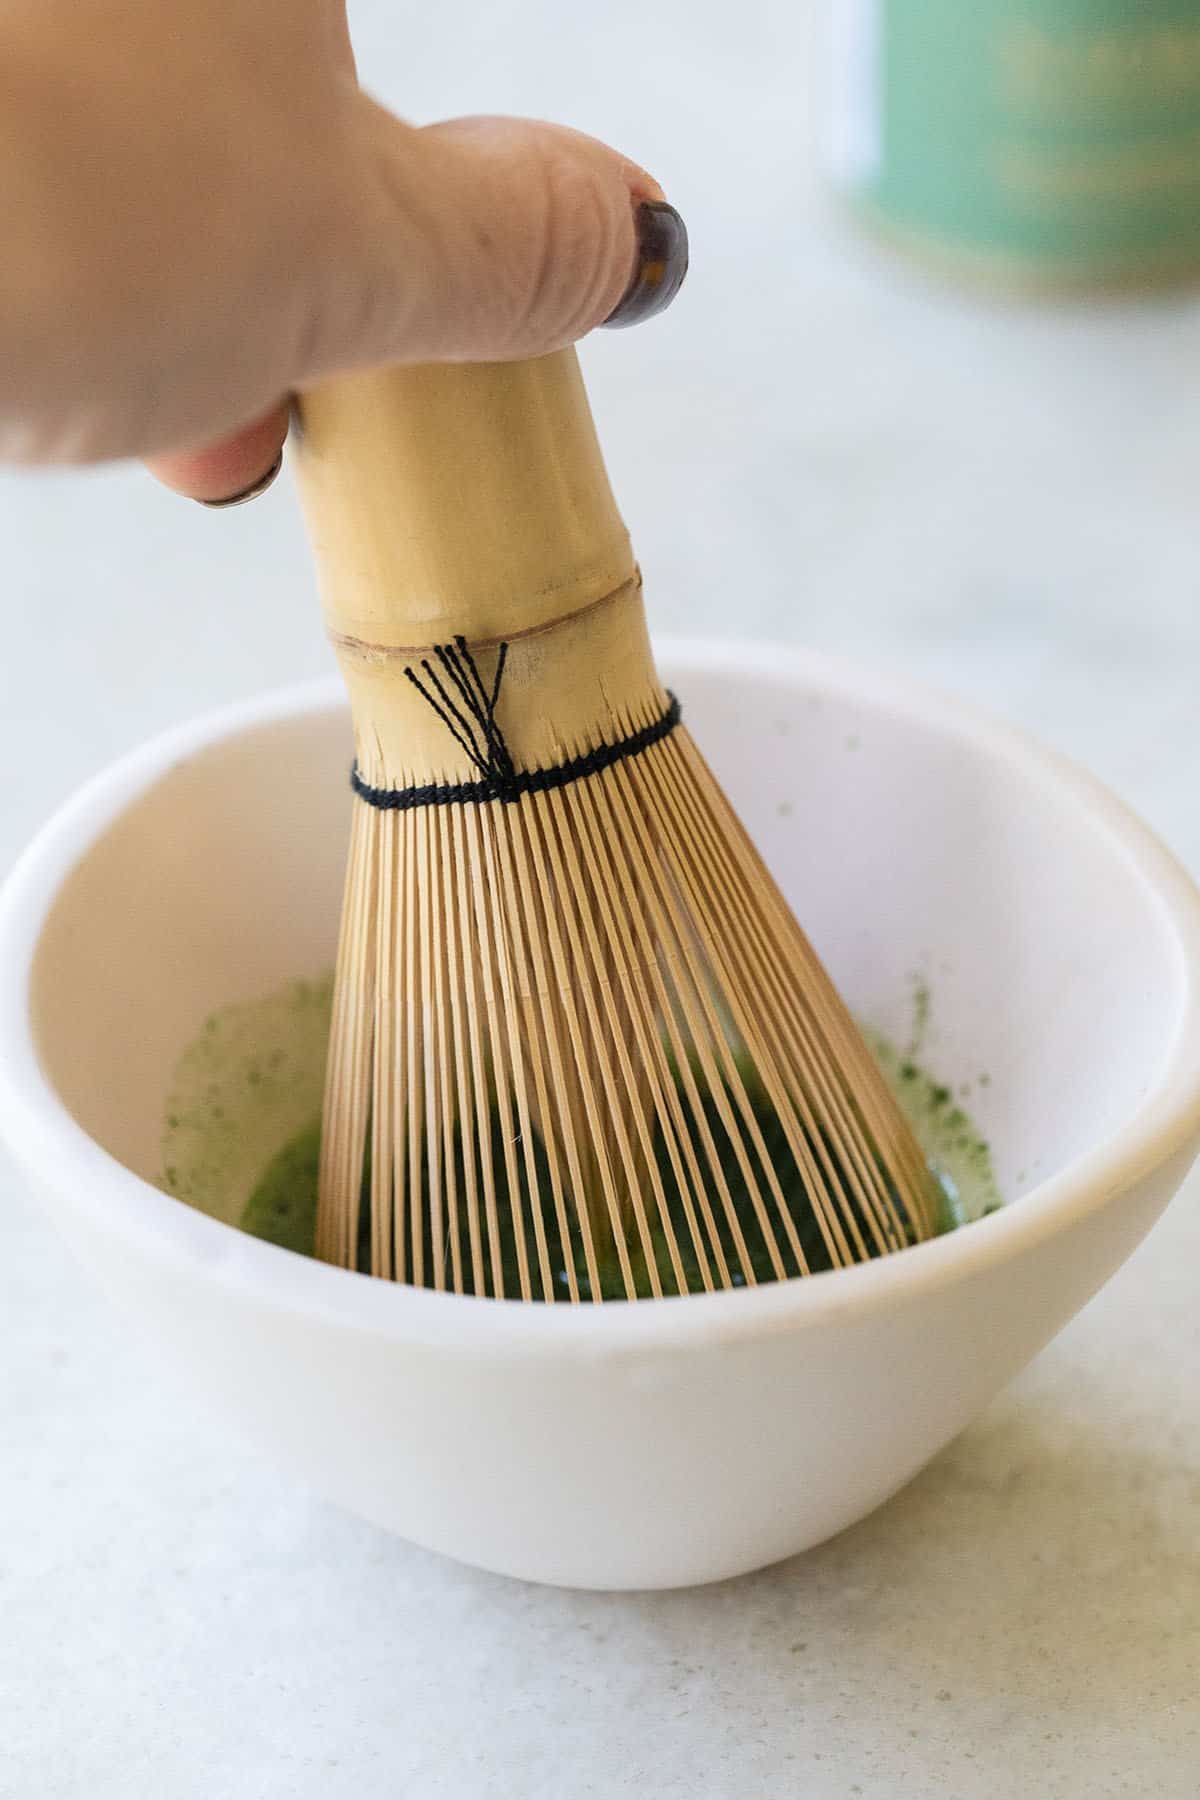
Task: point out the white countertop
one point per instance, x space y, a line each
817 446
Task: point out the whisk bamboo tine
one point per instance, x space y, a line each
348 1079
599 1094
403 1026
518 1001
479 1141
562 1120
817 1043
501 1021
637 970
413 1101
533 899
724 940
704 1035
884 1121
458 980
443 912
383 1087
430 1137
726 1087
611 1055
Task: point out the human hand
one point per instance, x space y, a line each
203 212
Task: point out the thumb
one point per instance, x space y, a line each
487 239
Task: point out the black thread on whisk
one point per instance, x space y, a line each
469 714
474 711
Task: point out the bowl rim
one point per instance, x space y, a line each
96 1188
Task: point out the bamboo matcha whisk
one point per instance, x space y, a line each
579 1040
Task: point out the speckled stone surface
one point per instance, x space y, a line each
819 446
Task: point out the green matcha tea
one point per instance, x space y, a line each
242 1143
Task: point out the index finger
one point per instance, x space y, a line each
237 468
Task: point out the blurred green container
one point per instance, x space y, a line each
1039 142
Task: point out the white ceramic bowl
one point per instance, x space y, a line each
663 1442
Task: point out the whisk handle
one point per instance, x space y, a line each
457 499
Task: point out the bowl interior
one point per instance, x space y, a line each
971 901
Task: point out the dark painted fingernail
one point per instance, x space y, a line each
662 263
253 491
